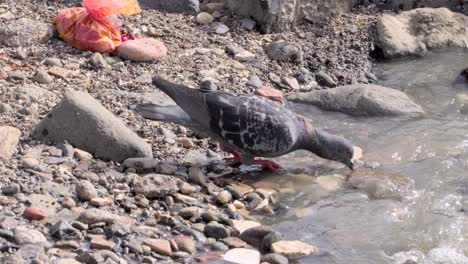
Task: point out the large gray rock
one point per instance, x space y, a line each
282 15
157 186
361 100
25 32
86 124
191 7
414 32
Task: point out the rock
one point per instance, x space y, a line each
279 16
29 162
216 230
244 56
53 62
293 249
207 257
275 259
63 230
5 108
361 100
24 235
16 75
242 256
291 83
324 79
416 31
269 239
82 155
100 202
331 183
100 243
382 185
255 82
11 189
204 18
85 190
213 7
197 176
208 85
248 23
141 164
224 197
186 142
143 49
98 60
219 28
70 261
25 32
160 246
9 139
186 244
190 7
157 185
60 72
80 120
285 51
32 213
243 225
92 216
30 253
234 242
254 236
274 78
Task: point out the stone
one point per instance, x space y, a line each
9 139
213 7
25 32
60 72
269 239
216 230
82 155
159 246
208 85
219 28
80 120
204 18
244 56
98 61
248 23
85 190
324 79
29 253
70 261
208 257
186 142
32 213
242 256
157 186
16 75
254 236
101 243
361 100
186 244
92 216
224 197
285 51
273 258
255 82
63 230
291 83
24 235
242 225
292 249
141 164
53 62
11 189
143 49
29 162
190 7
42 77
5 108
234 242
197 176
417 31
101 201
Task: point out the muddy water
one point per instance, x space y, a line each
423 216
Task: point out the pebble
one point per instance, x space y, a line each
29 162
254 236
42 77
324 79
24 235
186 244
143 49
101 201
157 185
270 93
159 246
197 176
11 189
274 78
100 243
235 242
219 246
291 83
60 72
224 197
292 249
98 60
5 108
204 18
68 202
244 56
85 190
242 256
63 230
53 62
241 225
216 230
285 51
82 155
273 258
186 142
255 82
32 213
248 23
17 75
219 28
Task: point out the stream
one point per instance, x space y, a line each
424 222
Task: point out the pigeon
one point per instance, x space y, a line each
247 126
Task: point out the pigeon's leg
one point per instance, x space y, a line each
235 155
268 164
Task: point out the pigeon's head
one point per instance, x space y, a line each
335 148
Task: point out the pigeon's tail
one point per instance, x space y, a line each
173 113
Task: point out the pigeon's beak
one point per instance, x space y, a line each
350 165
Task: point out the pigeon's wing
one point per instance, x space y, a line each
252 124
172 113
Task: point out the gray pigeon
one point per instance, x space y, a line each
249 125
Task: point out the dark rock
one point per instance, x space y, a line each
275 259
254 236
324 79
285 51
269 239
63 230
217 230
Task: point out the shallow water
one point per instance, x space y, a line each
428 224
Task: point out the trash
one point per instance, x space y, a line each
89 28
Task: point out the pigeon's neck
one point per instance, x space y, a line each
311 138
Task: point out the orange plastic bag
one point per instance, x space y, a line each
88 28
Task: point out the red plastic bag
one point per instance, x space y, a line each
88 28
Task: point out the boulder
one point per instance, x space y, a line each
25 32
191 7
417 31
361 100
86 124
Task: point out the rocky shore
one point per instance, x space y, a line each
83 179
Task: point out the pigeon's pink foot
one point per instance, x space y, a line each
235 155
268 164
